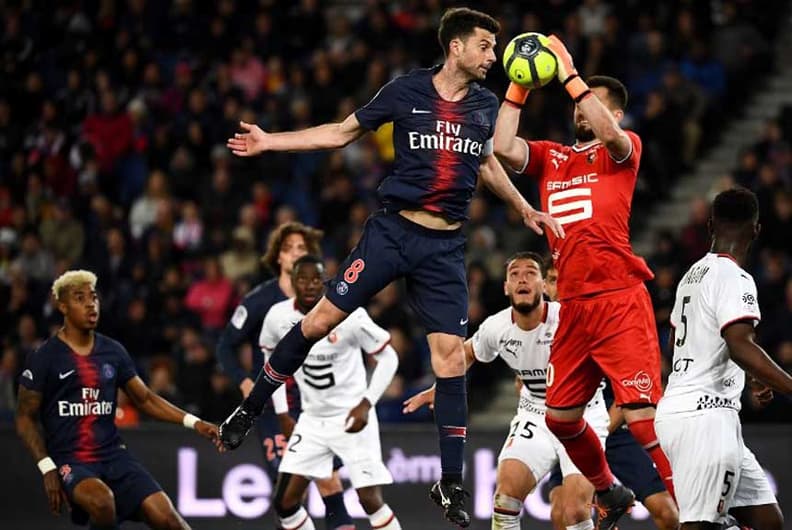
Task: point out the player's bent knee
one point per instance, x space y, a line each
101 508
370 498
329 486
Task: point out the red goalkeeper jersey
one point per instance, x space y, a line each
590 194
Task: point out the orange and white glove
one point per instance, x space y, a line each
567 74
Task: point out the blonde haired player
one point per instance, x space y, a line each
521 335
71 382
337 416
698 421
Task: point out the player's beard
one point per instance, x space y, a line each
583 134
525 308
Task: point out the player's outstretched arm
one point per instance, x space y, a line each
496 179
253 140
509 149
161 409
600 118
752 358
27 427
426 397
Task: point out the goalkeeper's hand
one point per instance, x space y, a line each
566 68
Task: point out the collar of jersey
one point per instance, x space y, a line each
578 149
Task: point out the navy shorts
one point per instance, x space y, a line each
431 261
273 443
129 481
629 462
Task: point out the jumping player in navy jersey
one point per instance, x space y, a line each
286 244
71 382
443 123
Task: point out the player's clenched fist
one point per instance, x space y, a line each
249 143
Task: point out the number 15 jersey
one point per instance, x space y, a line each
332 380
590 194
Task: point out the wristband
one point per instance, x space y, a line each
46 465
190 420
516 94
576 87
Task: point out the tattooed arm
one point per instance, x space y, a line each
28 429
27 422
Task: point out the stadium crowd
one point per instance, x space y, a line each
113 121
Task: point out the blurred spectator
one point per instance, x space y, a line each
210 297
241 259
63 235
35 261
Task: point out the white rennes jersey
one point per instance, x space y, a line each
526 352
714 293
332 380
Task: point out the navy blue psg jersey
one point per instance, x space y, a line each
439 144
245 326
78 396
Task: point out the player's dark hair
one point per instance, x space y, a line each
617 92
735 206
307 259
461 22
533 256
311 235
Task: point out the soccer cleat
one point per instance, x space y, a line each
611 505
450 496
235 427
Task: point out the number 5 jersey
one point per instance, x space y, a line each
332 380
590 194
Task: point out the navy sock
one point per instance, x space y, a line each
288 356
335 511
450 412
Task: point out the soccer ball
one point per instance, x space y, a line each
528 61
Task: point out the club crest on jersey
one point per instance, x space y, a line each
342 288
108 372
591 157
65 472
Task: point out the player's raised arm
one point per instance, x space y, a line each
602 120
496 179
509 148
253 140
161 409
744 351
27 427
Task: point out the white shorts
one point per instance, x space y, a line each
532 443
316 439
713 469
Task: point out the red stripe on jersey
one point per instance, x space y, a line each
446 161
86 437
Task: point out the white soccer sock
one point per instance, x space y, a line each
297 521
588 524
506 513
384 519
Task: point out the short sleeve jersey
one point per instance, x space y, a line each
438 144
590 194
78 396
713 294
332 379
527 353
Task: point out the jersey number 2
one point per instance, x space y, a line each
569 211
